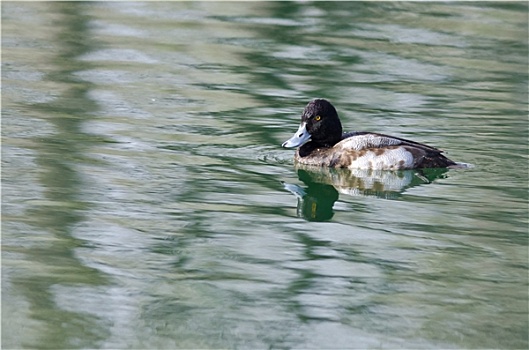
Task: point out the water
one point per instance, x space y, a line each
147 202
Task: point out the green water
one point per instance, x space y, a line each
147 203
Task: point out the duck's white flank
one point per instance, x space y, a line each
390 159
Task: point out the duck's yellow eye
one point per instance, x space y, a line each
317 118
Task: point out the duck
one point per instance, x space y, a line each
320 141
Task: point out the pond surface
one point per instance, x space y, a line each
147 203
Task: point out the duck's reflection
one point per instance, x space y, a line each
323 185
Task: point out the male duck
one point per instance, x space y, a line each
321 143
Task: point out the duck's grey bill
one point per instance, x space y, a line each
299 139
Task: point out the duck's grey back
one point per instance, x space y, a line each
359 140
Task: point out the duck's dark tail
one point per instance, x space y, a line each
429 157
436 160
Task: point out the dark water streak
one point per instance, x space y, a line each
64 206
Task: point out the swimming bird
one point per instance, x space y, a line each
321 142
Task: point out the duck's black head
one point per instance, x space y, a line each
320 126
